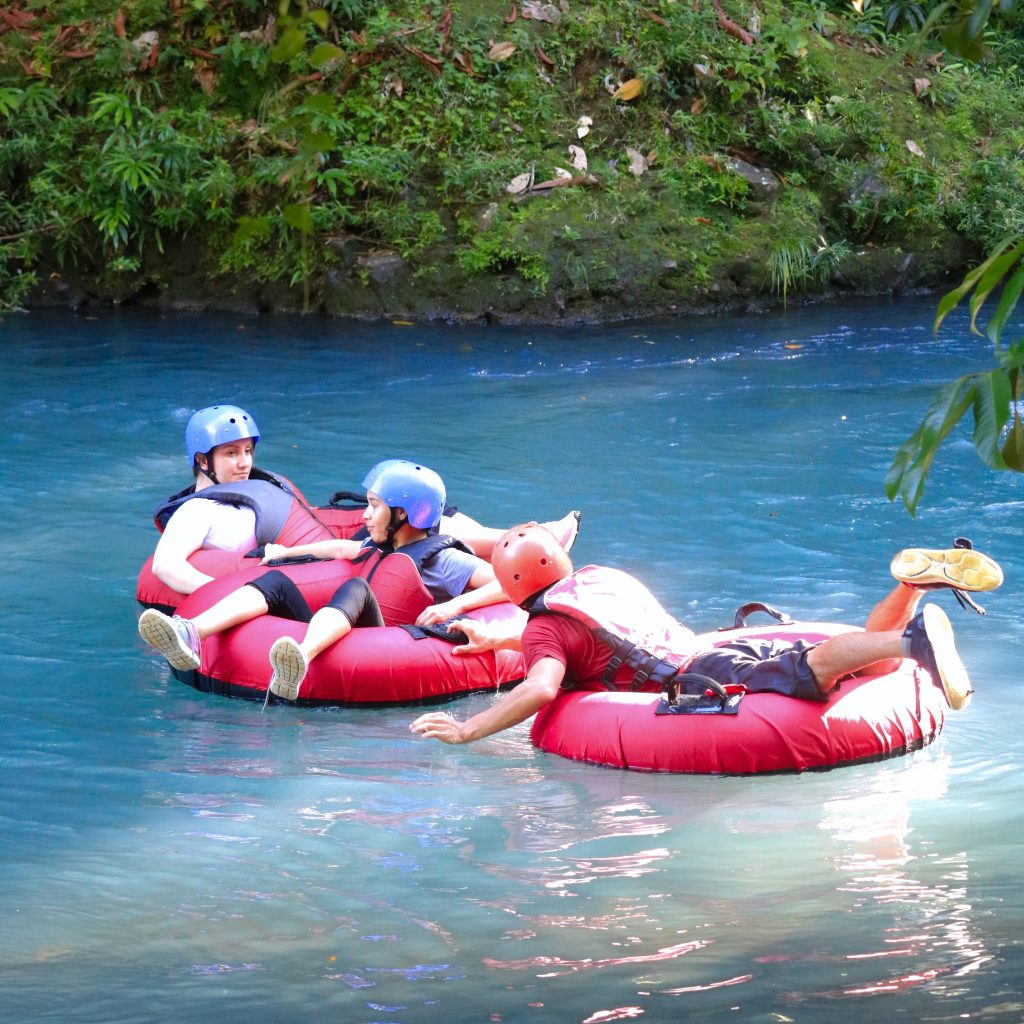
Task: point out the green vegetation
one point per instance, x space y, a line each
528 158
995 398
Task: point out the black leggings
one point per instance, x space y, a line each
354 599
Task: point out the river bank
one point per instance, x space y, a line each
373 284
481 160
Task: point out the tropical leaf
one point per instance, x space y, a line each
991 401
907 474
288 45
995 270
247 228
1007 302
298 216
324 53
951 299
1013 446
320 103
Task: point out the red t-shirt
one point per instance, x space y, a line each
574 645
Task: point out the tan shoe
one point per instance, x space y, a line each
289 665
959 568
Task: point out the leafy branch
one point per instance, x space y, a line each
993 397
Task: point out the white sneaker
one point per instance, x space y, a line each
177 639
932 646
289 665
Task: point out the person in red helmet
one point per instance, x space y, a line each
600 627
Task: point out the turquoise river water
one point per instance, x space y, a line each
172 855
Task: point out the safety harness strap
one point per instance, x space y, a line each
646 667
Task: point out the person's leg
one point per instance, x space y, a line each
928 639
483 538
847 653
810 671
895 610
241 605
179 640
352 606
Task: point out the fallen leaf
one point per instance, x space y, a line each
583 126
654 17
142 44
577 179
465 61
444 26
914 148
543 57
520 183
432 64
698 105
536 11
578 158
921 86
206 78
637 161
628 90
561 172
501 51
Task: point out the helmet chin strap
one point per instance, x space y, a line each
395 523
208 470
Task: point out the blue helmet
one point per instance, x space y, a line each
217 424
403 484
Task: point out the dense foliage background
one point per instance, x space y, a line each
486 157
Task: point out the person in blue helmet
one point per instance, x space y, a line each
220 442
403 513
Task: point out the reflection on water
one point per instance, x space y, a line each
170 854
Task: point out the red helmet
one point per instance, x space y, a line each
527 559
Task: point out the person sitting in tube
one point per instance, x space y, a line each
403 513
220 442
566 609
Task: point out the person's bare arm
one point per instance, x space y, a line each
539 688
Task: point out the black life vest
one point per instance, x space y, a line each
394 576
282 515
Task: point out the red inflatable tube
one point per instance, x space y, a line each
868 718
375 666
